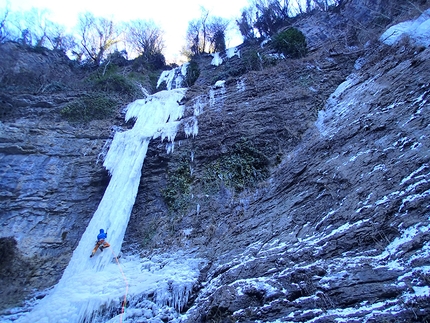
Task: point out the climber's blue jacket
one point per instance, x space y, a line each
102 235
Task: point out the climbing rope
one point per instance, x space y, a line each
124 302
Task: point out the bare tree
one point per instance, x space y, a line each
4 32
206 34
302 6
31 27
58 38
271 16
264 18
98 36
215 33
203 20
39 27
193 39
246 24
197 34
145 37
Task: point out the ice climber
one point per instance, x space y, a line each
101 243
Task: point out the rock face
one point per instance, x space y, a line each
306 188
341 229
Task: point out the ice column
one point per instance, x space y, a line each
79 291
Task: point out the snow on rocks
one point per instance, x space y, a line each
218 58
345 237
417 29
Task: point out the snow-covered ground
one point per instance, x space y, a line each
165 283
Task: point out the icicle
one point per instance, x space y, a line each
102 155
170 147
211 97
240 85
191 127
198 107
174 78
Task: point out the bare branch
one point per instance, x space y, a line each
99 35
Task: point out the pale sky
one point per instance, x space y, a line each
171 15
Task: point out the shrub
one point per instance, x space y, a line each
118 58
109 78
252 61
219 41
156 61
193 73
151 62
117 83
91 107
240 168
291 42
177 193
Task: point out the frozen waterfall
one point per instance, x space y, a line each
89 284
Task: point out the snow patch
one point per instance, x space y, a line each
334 111
418 30
240 85
415 173
250 285
408 235
219 84
217 60
234 51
